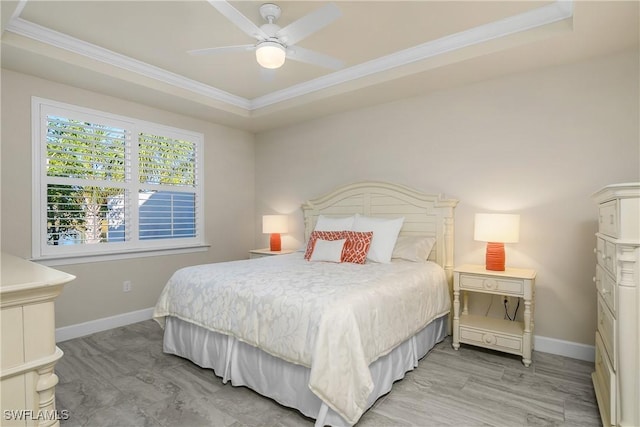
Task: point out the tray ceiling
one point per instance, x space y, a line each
137 50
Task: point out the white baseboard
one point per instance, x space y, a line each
543 344
81 329
564 348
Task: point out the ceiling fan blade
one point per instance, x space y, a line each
223 49
308 56
241 21
309 24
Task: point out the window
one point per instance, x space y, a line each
106 184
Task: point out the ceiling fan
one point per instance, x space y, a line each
275 44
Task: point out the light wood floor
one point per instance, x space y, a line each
121 378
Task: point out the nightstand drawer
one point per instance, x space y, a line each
608 218
491 339
607 329
606 287
491 285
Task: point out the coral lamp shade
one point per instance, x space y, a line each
496 230
274 225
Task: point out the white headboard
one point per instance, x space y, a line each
425 214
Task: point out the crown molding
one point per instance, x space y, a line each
545 15
45 35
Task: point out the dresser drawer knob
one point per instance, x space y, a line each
489 284
489 339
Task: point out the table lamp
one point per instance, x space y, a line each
496 230
275 224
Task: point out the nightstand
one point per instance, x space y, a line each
497 334
259 253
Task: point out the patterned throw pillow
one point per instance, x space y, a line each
355 249
357 246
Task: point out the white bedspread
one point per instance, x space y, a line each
332 318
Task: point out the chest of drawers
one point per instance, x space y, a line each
29 352
616 378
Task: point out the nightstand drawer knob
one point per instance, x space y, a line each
489 284
489 339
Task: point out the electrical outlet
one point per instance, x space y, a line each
126 286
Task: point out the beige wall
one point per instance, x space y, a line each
97 292
538 144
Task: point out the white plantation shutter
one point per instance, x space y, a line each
166 161
84 150
102 184
168 180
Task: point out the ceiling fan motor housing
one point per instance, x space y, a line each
270 30
270 12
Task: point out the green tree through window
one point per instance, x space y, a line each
109 184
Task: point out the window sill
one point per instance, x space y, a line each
140 253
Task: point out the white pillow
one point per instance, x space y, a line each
385 234
327 223
328 250
413 248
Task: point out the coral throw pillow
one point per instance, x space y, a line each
355 249
357 246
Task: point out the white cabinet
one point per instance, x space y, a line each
616 379
497 334
29 351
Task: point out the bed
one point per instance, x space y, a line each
324 338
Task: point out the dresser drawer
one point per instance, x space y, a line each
607 330
608 218
606 255
606 287
604 382
492 285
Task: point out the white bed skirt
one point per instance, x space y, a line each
285 382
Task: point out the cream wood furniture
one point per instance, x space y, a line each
497 334
259 253
29 350
617 375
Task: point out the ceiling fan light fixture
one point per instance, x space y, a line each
270 54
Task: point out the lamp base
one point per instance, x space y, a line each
275 243
495 257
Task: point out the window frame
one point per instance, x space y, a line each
135 247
